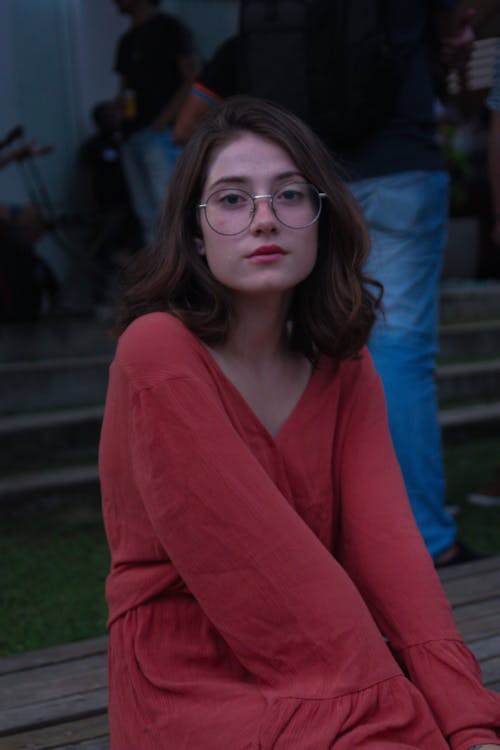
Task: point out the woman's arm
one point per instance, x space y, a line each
197 102
273 591
381 548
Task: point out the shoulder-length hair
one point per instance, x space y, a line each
332 310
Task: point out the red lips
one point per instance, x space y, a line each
268 250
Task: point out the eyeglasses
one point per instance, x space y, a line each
231 210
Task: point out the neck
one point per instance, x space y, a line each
258 331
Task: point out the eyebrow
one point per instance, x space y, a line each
241 180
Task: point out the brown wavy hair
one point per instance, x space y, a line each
332 310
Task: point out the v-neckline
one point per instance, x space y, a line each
274 438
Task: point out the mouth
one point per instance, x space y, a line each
267 251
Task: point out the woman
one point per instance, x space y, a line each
262 544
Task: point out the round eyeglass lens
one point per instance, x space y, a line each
231 210
297 205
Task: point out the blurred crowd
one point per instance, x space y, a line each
397 161
164 89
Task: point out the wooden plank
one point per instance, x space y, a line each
43 713
490 670
485 565
85 734
483 627
52 681
473 587
475 610
100 744
486 648
53 655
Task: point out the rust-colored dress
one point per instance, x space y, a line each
255 580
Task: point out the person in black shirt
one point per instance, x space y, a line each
155 62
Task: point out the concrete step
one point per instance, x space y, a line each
49 488
462 341
470 301
463 423
51 338
49 439
476 381
53 383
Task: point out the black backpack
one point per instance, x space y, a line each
329 61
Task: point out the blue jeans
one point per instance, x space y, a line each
406 214
148 158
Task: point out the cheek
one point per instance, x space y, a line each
220 258
310 254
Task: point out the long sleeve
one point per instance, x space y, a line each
381 549
268 585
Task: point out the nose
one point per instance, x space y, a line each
264 218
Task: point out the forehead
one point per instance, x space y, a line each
250 157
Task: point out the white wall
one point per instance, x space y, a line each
56 59
56 62
9 178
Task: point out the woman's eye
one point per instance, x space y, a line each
290 195
232 200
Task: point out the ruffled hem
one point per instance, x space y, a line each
449 676
191 705
390 714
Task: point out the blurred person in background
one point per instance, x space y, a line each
155 62
26 281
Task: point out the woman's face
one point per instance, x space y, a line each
267 256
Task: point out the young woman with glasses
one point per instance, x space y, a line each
268 588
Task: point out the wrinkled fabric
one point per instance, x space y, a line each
260 586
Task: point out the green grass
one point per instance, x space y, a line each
54 562
54 565
471 467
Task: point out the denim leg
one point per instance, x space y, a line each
406 214
160 155
149 158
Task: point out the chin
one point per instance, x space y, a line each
265 287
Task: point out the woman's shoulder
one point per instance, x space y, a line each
157 346
353 387
351 374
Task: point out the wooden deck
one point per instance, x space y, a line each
56 698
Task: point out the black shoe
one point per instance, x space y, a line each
462 554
